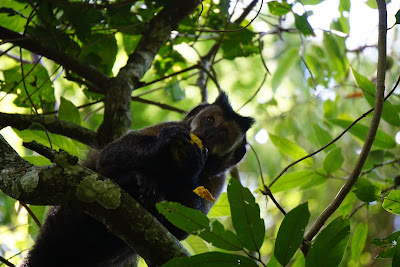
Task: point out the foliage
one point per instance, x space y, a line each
317 83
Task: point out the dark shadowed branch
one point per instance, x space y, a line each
51 124
66 180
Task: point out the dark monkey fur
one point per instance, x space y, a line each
152 164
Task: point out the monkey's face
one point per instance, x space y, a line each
219 136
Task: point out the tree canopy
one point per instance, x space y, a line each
318 186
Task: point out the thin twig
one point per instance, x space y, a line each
266 191
334 140
225 30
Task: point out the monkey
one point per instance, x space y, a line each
152 164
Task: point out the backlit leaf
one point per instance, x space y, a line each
290 148
290 234
328 248
246 220
391 203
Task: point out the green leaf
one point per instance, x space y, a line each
289 58
38 160
358 241
303 25
323 136
311 2
175 92
69 112
396 256
368 193
388 241
333 160
290 234
386 253
221 207
223 6
360 131
196 223
391 203
335 55
329 246
93 52
130 42
37 133
212 259
239 44
397 16
294 179
279 9
246 220
290 148
37 89
344 5
389 114
14 14
40 212
196 245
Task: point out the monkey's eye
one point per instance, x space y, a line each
209 121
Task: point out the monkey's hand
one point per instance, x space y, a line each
184 152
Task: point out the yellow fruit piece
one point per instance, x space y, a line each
196 140
204 193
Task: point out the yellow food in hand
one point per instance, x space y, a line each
204 193
196 140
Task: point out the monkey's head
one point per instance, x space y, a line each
220 128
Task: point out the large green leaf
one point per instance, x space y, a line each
396 256
391 203
212 259
196 223
358 241
37 90
246 220
328 248
93 51
303 25
360 131
289 58
389 114
69 112
336 57
14 14
323 136
239 44
295 179
279 9
290 148
290 234
368 193
333 160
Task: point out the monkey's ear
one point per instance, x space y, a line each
223 101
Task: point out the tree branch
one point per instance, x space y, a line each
117 112
86 71
68 182
379 99
51 124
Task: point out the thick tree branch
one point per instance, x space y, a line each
117 113
379 100
84 70
51 124
68 182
